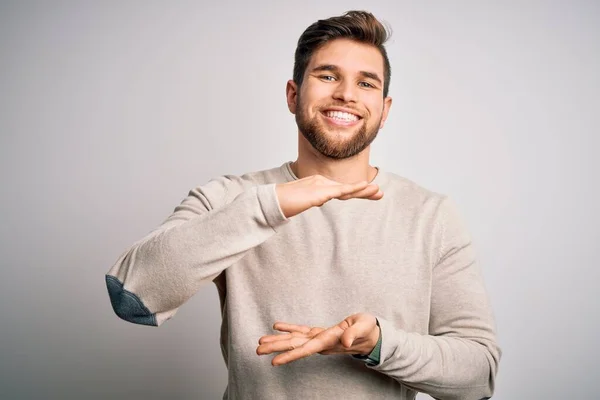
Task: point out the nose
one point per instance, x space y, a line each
345 91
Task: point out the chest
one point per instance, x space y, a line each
331 263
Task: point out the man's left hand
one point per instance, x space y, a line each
357 334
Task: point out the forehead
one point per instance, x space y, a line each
348 55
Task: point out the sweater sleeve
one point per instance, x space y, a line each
204 235
459 357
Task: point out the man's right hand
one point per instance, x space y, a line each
314 191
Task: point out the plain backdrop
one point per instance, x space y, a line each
111 111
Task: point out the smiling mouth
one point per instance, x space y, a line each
341 117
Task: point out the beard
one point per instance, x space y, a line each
316 133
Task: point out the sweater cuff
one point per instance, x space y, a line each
267 197
392 342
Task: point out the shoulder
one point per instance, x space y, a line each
232 182
410 193
439 211
225 188
420 204
434 212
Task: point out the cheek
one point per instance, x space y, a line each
315 94
375 110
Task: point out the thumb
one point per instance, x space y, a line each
351 334
359 328
348 338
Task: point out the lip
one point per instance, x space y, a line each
342 109
338 122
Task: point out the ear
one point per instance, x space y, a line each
291 92
387 103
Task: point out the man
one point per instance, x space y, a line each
384 287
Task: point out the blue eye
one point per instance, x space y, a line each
366 84
328 78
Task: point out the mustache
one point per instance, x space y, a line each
342 105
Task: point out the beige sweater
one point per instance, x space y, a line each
407 259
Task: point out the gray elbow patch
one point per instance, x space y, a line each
127 305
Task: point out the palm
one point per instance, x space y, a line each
314 191
301 341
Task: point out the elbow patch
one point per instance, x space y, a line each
127 305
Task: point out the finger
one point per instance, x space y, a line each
281 345
285 327
286 336
337 350
376 196
325 340
311 347
349 187
273 338
339 190
366 193
315 331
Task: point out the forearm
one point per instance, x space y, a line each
444 367
169 266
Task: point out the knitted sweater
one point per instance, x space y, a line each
406 259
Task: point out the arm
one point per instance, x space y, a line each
206 234
202 237
459 357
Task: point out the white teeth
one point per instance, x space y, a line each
344 116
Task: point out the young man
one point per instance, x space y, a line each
384 287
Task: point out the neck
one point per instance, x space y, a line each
350 170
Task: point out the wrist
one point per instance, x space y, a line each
373 356
373 339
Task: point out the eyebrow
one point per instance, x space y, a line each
371 75
333 68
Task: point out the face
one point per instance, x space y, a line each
340 106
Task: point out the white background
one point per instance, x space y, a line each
111 111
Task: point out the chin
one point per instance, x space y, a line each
345 132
